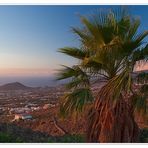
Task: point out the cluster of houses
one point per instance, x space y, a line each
23 113
20 105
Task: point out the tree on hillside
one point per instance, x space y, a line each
110 47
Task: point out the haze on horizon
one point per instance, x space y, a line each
31 35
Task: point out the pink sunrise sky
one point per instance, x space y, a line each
25 72
44 71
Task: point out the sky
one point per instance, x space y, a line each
31 35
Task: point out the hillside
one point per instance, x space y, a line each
14 86
43 128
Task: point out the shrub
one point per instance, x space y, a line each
144 136
68 139
6 138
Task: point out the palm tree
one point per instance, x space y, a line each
110 47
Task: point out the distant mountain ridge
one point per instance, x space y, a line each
14 86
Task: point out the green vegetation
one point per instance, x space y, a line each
6 138
68 139
72 139
144 136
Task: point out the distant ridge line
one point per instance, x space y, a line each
14 86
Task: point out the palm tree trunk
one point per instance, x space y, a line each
108 123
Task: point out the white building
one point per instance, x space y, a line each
21 117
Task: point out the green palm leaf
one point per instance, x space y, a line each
74 52
75 101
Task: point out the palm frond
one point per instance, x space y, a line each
140 104
144 89
93 30
74 52
75 101
67 72
133 29
138 38
85 39
145 52
78 82
114 87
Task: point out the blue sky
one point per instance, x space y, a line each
31 35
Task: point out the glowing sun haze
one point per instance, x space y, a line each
25 72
